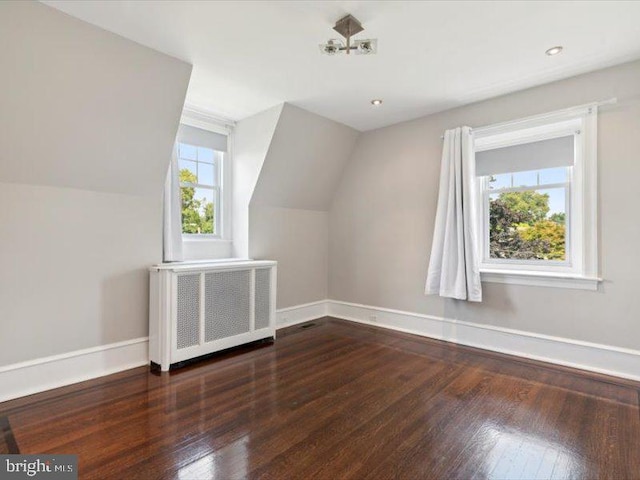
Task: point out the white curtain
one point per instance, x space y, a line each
172 230
454 270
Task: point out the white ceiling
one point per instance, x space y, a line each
249 56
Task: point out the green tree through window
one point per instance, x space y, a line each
197 214
520 227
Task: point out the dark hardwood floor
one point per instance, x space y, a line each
340 400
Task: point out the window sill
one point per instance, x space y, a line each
194 238
540 279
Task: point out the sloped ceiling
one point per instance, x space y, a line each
304 162
251 141
253 137
96 111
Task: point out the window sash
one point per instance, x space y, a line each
485 228
217 219
571 231
217 164
199 185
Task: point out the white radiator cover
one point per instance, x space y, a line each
197 308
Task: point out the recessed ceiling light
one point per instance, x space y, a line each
554 51
376 102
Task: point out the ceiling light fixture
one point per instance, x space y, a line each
376 102
554 51
347 27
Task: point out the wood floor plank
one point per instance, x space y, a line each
339 400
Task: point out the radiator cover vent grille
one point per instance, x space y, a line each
188 311
227 304
263 298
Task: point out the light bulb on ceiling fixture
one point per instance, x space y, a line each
376 102
332 47
554 51
366 47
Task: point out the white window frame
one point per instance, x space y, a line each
194 117
580 269
217 195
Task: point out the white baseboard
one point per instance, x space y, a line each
33 376
286 317
593 357
605 359
42 374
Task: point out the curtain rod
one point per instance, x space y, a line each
610 101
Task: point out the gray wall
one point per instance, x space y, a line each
87 123
289 218
299 241
382 216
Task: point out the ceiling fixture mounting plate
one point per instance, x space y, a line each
348 26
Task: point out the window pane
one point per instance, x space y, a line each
525 179
499 181
198 210
188 152
207 212
205 155
206 174
557 205
553 175
188 171
528 225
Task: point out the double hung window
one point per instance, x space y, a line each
537 197
201 155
